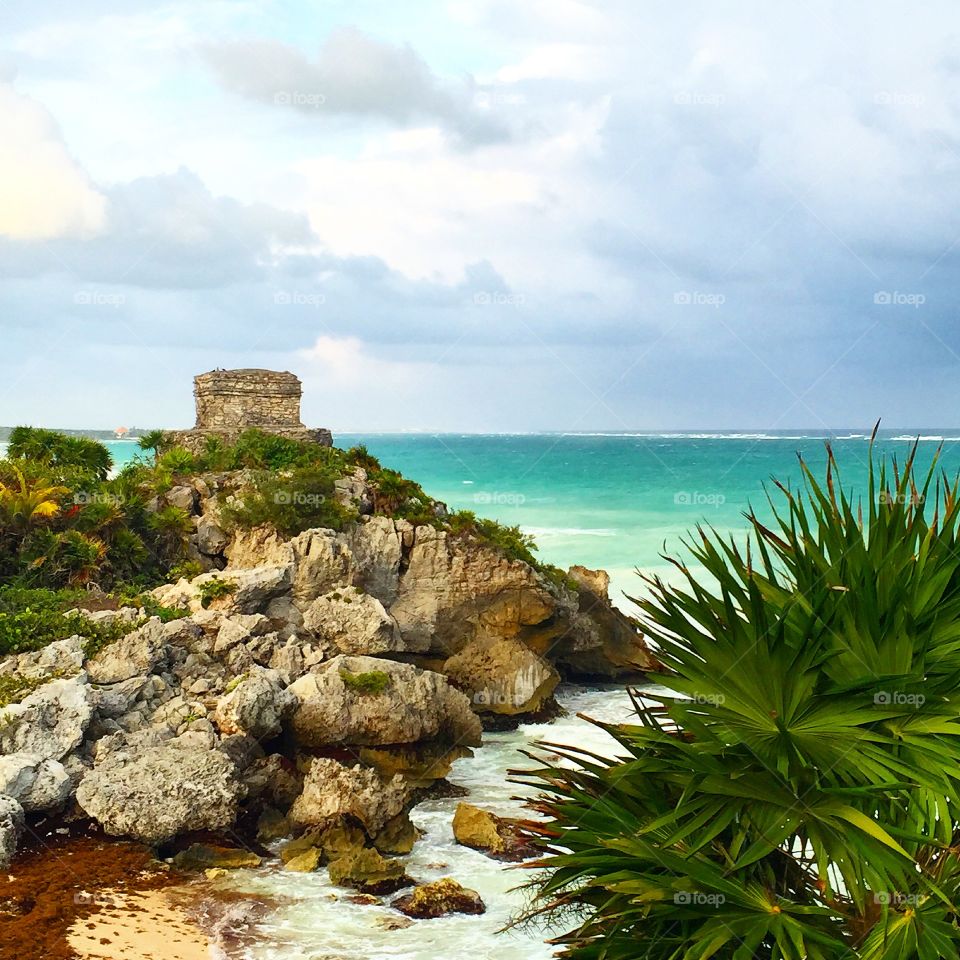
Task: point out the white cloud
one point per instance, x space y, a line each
45 194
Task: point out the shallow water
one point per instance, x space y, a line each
315 919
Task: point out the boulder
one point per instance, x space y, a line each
11 826
253 589
331 789
35 782
366 701
144 651
160 792
333 839
256 706
354 622
367 871
211 537
201 856
183 497
502 676
439 898
498 837
305 862
454 589
50 722
397 836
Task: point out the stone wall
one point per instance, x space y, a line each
247 398
231 401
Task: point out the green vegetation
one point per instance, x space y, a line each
32 618
65 522
798 795
373 681
291 501
214 589
13 688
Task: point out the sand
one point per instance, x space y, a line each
149 925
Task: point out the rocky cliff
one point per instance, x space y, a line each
314 685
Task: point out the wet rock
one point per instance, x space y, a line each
398 835
498 837
272 825
335 838
200 856
366 870
305 862
364 700
439 898
157 793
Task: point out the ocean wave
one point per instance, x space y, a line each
542 532
910 438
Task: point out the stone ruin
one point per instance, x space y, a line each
231 401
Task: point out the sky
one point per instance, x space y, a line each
482 215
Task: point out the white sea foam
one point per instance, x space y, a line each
544 532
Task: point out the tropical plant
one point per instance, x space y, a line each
152 440
797 794
61 452
25 503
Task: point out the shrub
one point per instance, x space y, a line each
60 452
292 502
797 794
214 589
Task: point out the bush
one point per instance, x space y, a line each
797 795
292 502
60 452
214 589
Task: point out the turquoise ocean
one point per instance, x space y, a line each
618 501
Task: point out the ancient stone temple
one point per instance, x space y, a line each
231 401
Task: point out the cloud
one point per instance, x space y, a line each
45 193
355 75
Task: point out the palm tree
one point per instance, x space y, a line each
152 440
798 793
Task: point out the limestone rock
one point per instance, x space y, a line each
334 838
50 722
331 789
157 793
502 676
454 590
142 652
211 537
354 622
201 856
439 898
398 835
35 782
257 705
369 872
498 837
183 497
366 701
11 826
253 589
305 862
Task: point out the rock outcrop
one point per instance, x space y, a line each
438 899
498 837
157 793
